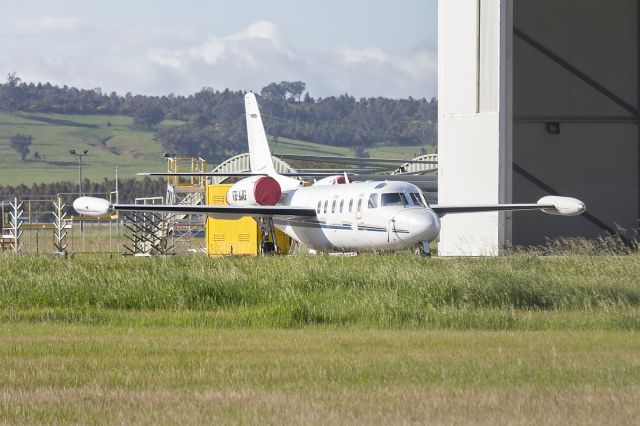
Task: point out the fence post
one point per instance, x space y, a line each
61 225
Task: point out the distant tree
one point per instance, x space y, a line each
211 124
20 143
274 92
36 156
200 120
9 96
295 89
359 151
148 116
276 131
308 99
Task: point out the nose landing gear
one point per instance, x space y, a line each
423 249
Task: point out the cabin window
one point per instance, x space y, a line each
333 206
393 199
350 205
326 203
417 199
341 205
373 201
359 208
319 207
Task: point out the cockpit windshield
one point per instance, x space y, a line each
394 199
417 199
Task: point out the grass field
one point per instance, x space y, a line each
119 143
66 373
525 339
111 140
292 146
402 290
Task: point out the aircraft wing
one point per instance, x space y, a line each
242 174
90 206
563 206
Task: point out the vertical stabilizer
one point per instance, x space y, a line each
259 152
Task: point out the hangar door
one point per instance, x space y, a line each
575 114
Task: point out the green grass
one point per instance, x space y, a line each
132 150
382 339
402 152
399 290
297 147
56 373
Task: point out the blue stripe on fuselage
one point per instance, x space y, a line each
325 225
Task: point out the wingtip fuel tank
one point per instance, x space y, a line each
563 206
91 206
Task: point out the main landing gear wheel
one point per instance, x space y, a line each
268 247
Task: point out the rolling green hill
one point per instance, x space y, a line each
292 146
112 141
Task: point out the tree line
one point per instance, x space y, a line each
42 193
213 123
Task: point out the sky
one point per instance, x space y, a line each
364 48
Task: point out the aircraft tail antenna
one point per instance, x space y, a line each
259 152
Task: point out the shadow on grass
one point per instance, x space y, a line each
61 122
62 163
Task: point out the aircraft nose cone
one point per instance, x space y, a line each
416 225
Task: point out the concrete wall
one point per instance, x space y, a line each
474 128
595 156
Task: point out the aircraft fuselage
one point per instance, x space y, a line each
361 216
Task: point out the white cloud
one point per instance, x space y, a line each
262 29
243 47
165 57
211 51
393 74
358 56
45 25
150 61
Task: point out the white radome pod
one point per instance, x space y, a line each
564 206
92 206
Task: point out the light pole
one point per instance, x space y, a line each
79 156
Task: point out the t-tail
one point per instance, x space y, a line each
259 153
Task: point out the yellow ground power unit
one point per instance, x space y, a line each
235 237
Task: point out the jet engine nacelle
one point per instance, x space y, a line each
255 191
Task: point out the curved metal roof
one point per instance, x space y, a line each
241 163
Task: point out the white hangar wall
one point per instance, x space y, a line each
474 122
507 69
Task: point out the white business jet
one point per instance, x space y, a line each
334 214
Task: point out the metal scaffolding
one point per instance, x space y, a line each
12 230
149 233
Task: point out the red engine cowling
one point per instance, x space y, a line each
255 191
